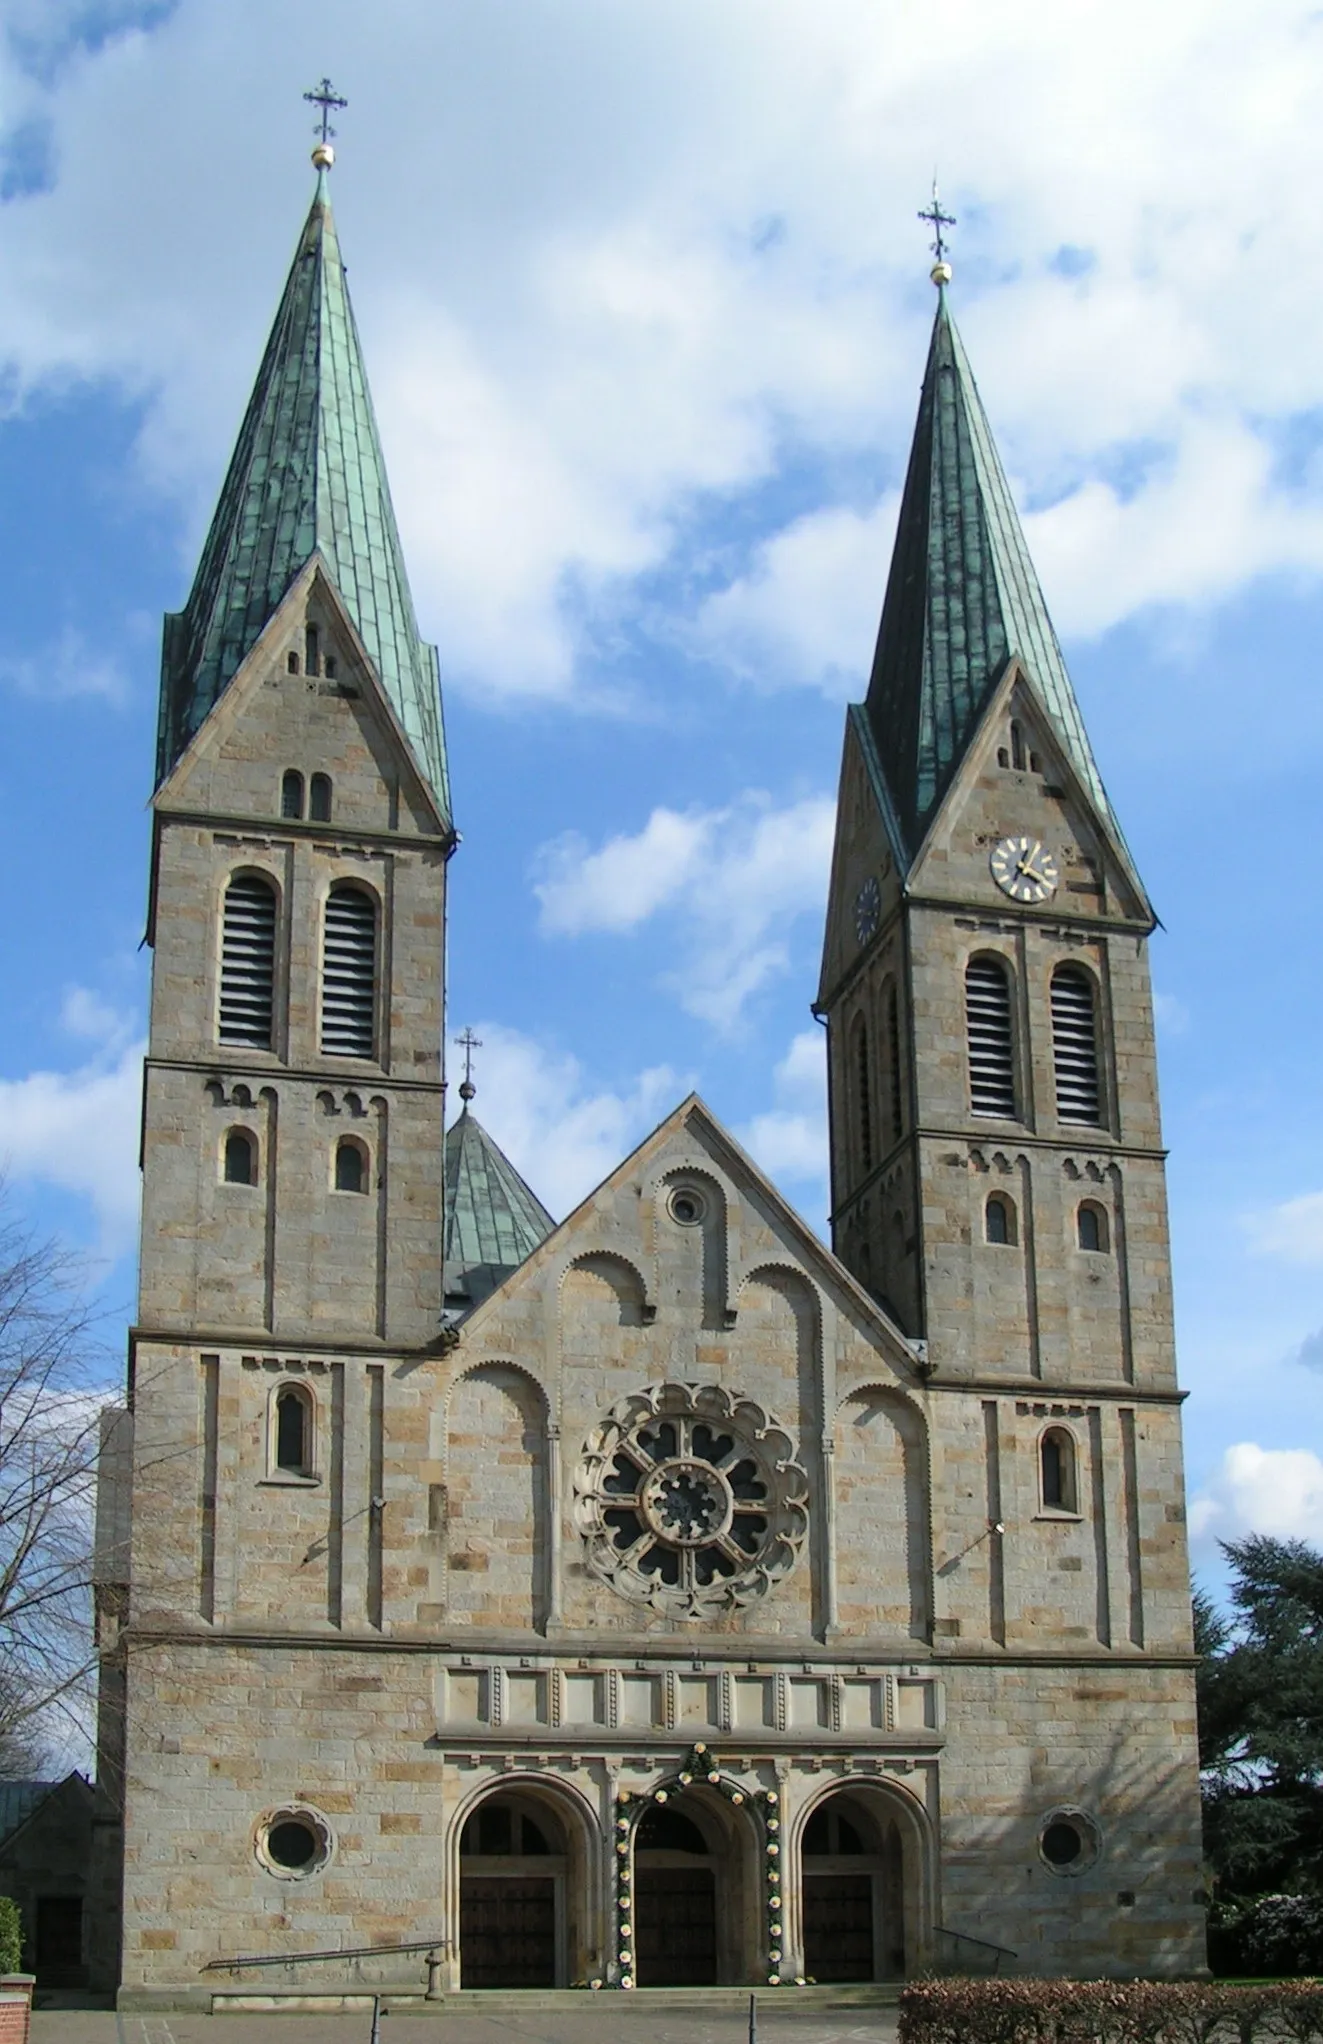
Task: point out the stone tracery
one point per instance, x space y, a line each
690 1499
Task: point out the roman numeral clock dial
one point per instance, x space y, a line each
1024 868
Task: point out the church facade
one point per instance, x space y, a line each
658 1597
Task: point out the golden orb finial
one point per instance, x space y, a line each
323 156
941 273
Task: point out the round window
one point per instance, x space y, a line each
1068 1841
294 1842
686 1205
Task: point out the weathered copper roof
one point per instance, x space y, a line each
494 1221
962 597
306 474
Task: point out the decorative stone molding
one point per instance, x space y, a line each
689 1499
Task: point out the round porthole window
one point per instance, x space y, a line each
686 1205
1068 1841
293 1843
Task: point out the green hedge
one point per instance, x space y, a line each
11 1937
1109 2012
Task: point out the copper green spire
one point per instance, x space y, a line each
493 1220
306 476
962 597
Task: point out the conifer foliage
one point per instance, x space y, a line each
1260 1689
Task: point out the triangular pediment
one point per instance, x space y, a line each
1018 779
614 1221
204 776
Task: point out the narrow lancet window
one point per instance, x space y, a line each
1091 1225
990 1038
349 973
863 1101
311 657
1075 1046
248 962
1057 1470
999 1218
893 1059
350 1166
319 798
293 1431
240 1158
291 793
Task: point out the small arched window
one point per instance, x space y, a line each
239 1160
349 973
999 1218
328 667
1056 1462
291 793
248 962
1075 1046
863 1094
292 663
990 1038
319 798
350 1166
293 1418
1091 1226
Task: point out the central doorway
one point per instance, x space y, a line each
511 1888
675 1902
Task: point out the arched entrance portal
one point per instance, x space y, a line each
694 1916
512 1861
853 1870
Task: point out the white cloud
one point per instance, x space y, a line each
1277 1491
78 1131
638 255
562 1134
1293 1230
807 611
65 668
789 1141
732 880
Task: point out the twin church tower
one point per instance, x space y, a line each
657 1597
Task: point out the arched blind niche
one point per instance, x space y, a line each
863 1094
349 973
990 1038
1075 1046
248 962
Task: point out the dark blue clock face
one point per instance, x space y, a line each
867 909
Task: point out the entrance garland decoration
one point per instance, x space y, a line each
764 1804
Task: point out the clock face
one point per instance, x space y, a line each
1024 868
867 909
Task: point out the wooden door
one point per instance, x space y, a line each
675 1927
838 1926
507 1931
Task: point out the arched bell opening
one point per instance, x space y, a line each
524 1881
696 1919
863 1865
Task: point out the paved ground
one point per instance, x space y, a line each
598 2023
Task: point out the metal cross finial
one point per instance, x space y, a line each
326 97
937 220
468 1043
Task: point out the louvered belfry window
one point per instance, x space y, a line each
991 1041
248 962
349 974
1075 1046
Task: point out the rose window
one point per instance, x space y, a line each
689 1498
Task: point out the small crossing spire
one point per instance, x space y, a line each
468 1043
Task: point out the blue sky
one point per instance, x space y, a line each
645 306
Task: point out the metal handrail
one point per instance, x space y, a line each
962 1937
298 1958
